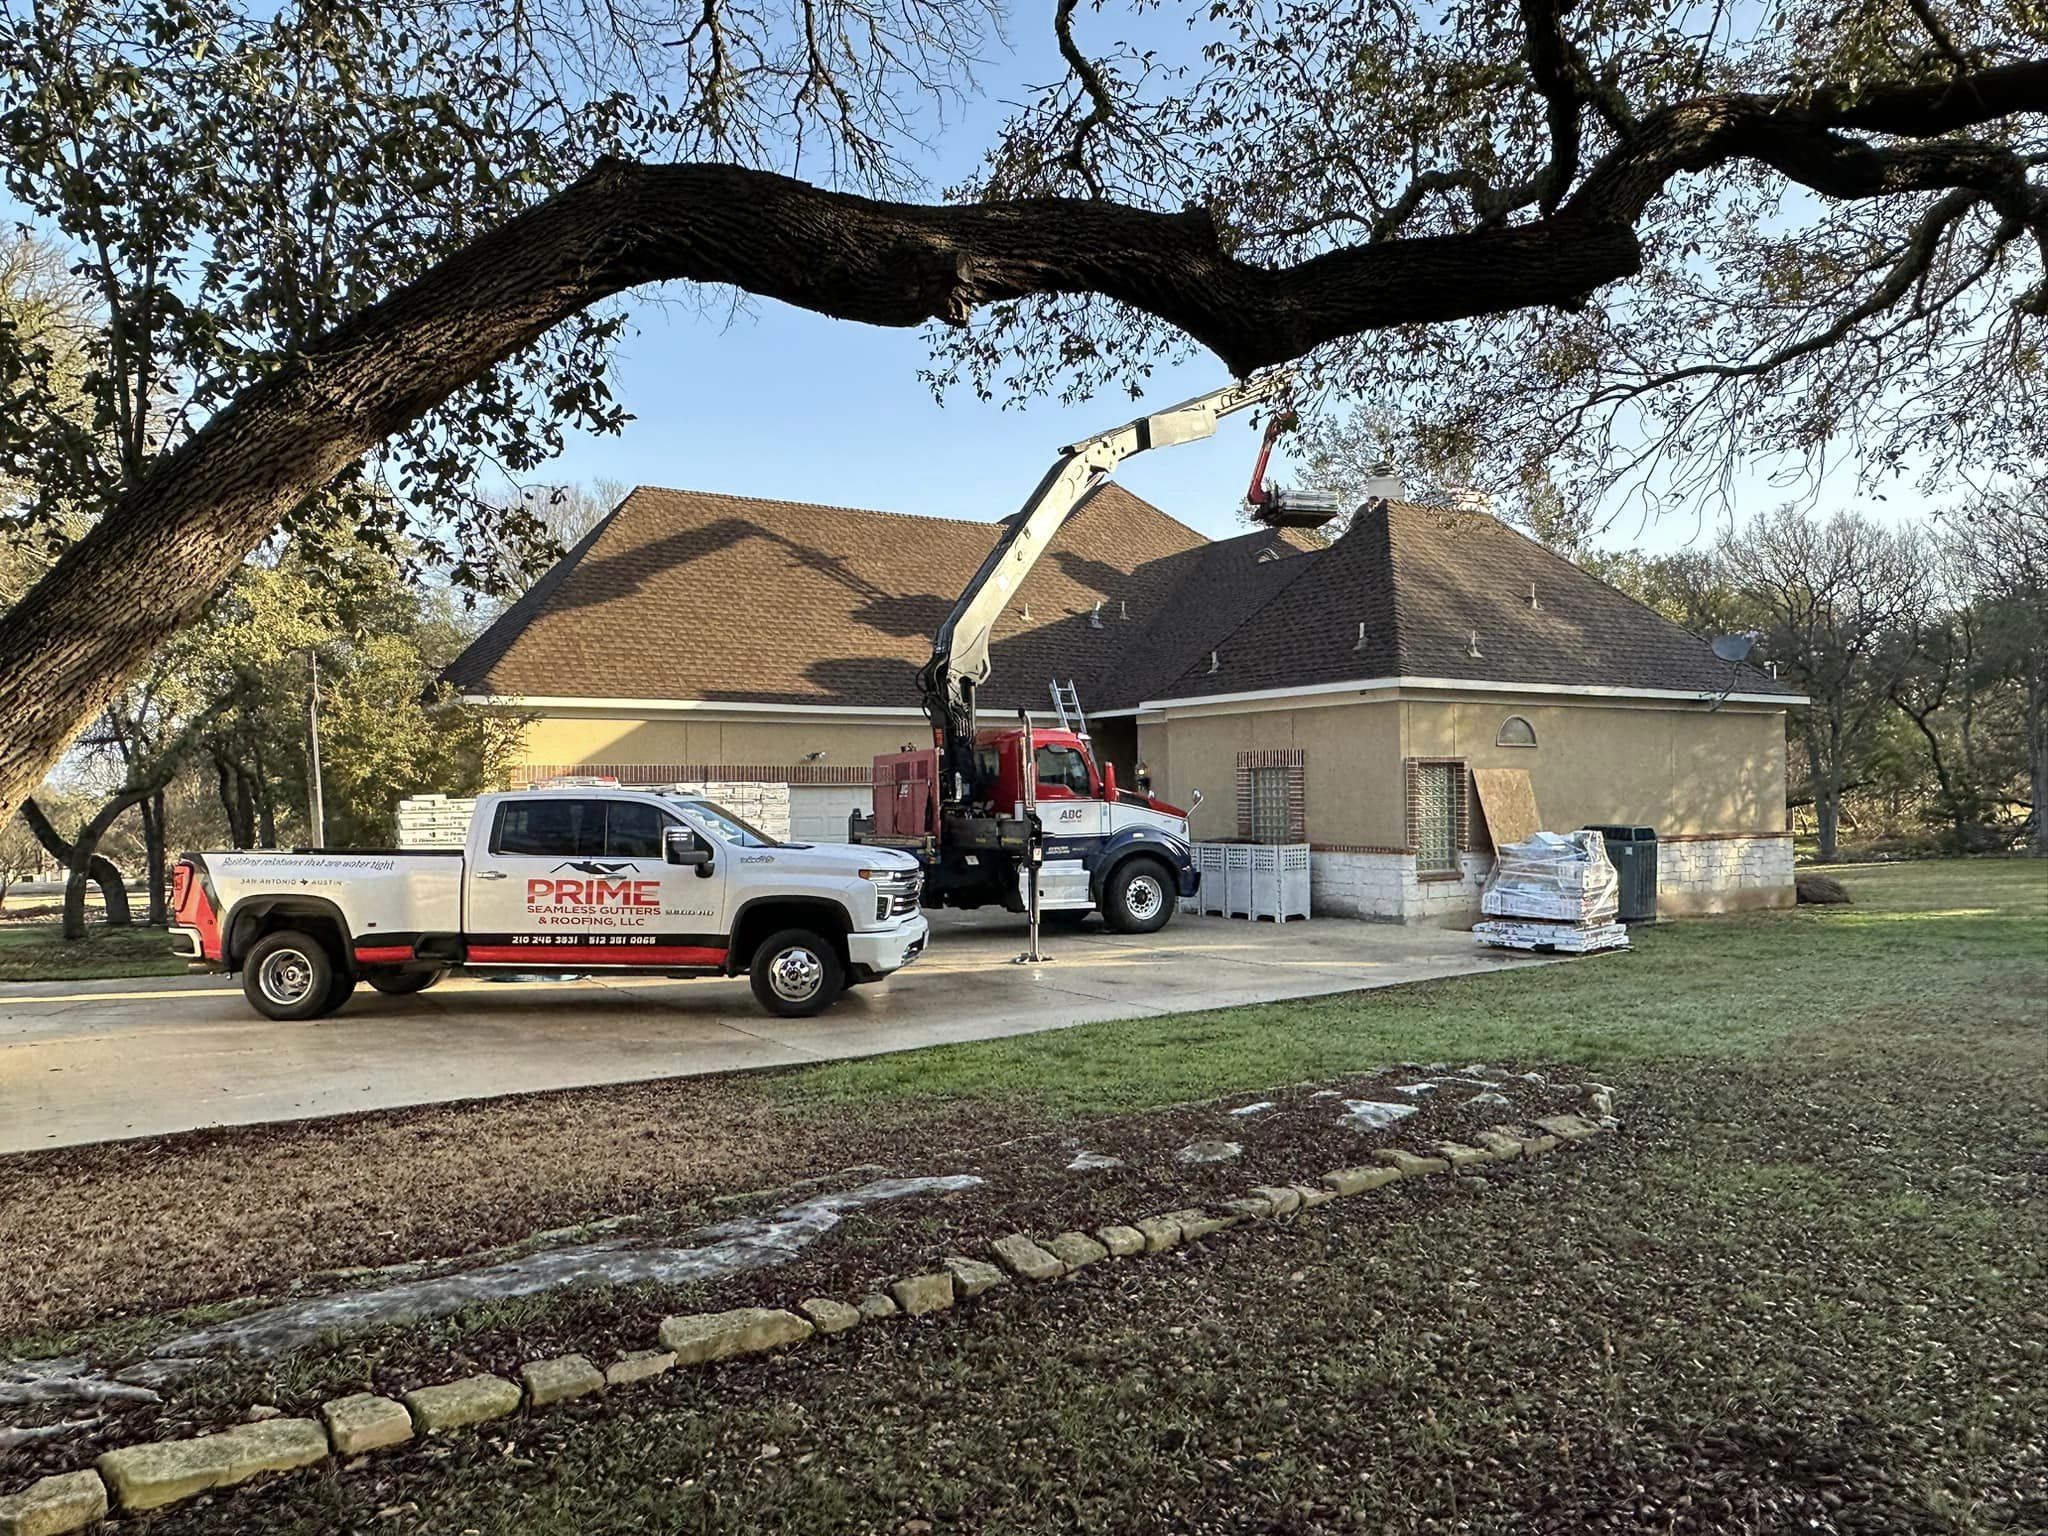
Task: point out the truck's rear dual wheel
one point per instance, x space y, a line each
797 973
1139 897
290 975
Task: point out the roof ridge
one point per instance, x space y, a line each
907 517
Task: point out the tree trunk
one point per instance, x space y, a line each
100 871
153 833
2037 757
83 852
169 544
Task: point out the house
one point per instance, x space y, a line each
1338 694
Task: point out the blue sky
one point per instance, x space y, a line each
780 403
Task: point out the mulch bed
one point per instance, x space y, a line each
1026 1186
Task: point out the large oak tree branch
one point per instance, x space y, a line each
171 542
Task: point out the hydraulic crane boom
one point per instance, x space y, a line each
959 663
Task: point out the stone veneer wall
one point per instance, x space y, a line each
1730 873
1726 873
1382 884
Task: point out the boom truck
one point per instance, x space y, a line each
969 807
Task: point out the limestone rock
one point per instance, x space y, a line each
1250 1207
365 1422
51 1506
1122 1242
1356 1181
1093 1162
453 1404
973 1276
1286 1200
701 1337
1209 1152
1504 1147
1025 1259
1194 1223
273 1445
1311 1197
1160 1233
639 1365
1569 1127
1460 1156
1077 1250
1410 1165
875 1306
919 1294
151 1476
558 1380
829 1316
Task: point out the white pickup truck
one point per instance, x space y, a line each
565 880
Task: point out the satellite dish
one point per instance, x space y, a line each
1734 649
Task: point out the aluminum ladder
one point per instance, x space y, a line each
1066 703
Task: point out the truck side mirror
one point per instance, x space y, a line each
1109 782
679 845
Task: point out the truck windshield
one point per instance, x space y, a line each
729 827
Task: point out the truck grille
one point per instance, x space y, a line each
896 896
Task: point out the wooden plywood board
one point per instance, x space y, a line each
1508 801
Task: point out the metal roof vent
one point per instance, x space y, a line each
1472 648
1215 665
1534 605
1361 636
1095 618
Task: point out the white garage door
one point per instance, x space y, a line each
818 812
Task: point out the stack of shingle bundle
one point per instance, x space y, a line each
1556 891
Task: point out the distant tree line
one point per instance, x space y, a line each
1922 646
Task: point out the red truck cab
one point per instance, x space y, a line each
1123 853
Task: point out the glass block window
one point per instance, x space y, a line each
1437 788
1272 812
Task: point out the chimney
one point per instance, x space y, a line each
1469 498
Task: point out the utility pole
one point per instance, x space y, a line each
316 808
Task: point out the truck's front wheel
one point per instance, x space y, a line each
289 975
797 973
1139 897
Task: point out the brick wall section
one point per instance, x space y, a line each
1295 761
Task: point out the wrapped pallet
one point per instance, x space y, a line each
1557 890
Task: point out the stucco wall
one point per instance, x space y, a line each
1353 789
1682 771
563 740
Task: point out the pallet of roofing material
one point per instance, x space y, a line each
1565 938
1554 877
434 821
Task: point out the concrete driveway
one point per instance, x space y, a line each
84 1061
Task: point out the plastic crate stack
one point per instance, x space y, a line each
1557 891
1255 880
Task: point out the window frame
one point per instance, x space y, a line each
1458 793
1500 737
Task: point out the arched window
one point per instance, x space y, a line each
1515 732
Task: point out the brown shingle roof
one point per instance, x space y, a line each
690 595
1426 582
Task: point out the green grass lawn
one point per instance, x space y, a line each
1804 1289
37 952
1924 940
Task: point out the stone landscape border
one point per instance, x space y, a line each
153 1474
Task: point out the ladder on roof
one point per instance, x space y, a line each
1066 703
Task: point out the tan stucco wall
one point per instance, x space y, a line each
566 740
1686 770
1678 770
1351 753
